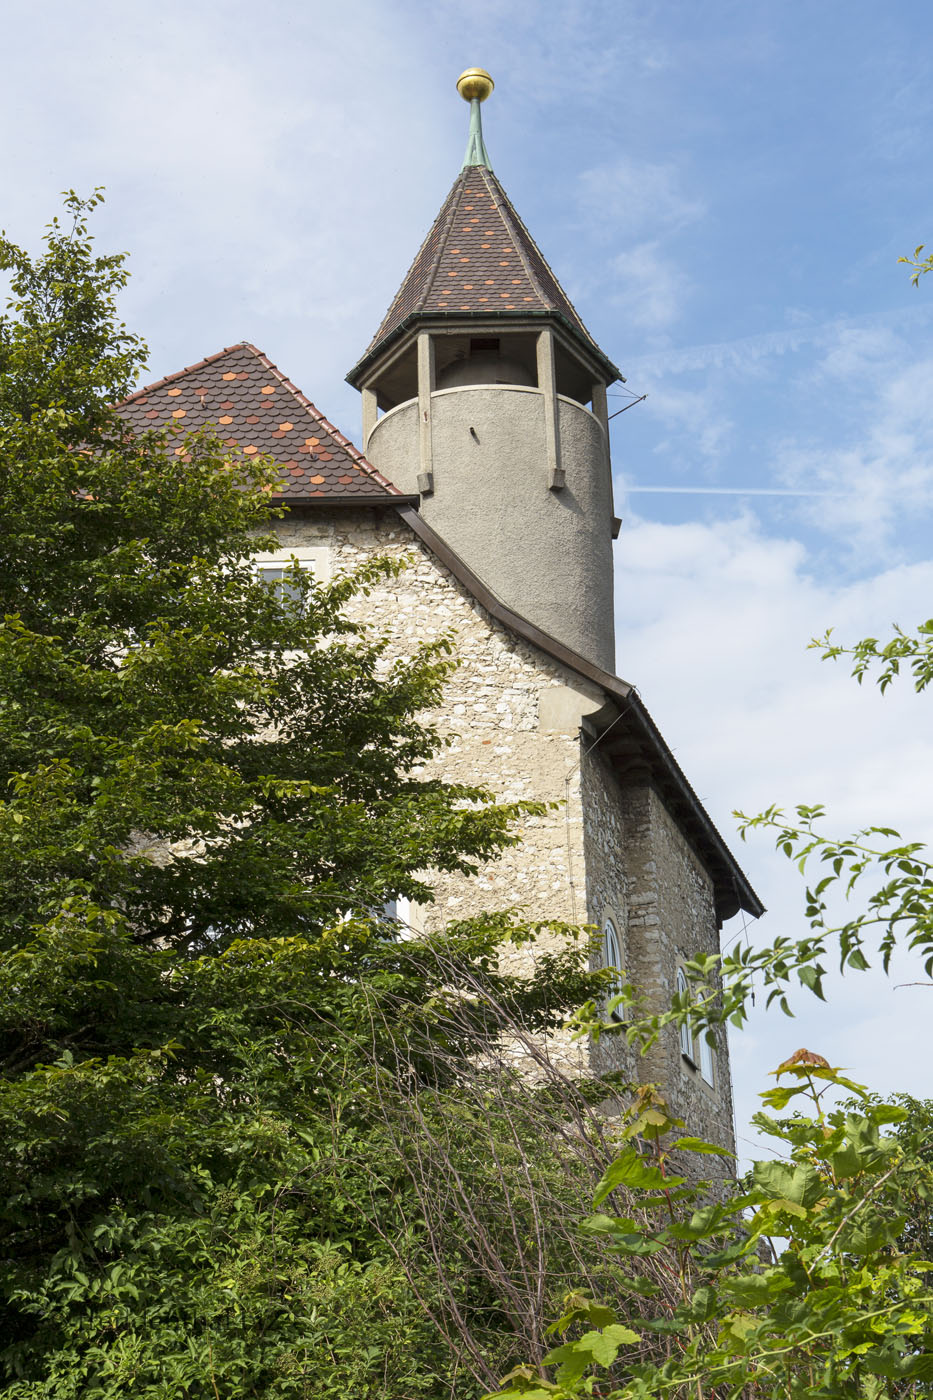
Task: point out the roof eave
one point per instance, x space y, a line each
386 499
358 372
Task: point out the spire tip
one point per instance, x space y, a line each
474 86
475 83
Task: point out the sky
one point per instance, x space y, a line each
724 190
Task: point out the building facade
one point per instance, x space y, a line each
485 465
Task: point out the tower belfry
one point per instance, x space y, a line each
484 394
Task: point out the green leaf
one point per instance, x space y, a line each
780 1096
631 1171
694 1144
599 1347
800 1184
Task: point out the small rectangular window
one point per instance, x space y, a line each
271 568
274 577
707 1060
398 910
686 1034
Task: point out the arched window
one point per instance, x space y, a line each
686 1035
612 957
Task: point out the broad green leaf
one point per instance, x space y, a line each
632 1171
601 1347
800 1184
694 1144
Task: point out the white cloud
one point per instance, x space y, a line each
856 353
629 198
882 475
687 410
650 286
551 57
245 165
858 341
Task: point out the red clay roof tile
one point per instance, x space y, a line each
240 386
425 288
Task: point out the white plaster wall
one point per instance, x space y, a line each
547 554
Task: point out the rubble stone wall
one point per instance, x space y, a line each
513 717
671 919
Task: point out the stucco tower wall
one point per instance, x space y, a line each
545 553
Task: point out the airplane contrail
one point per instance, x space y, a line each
726 491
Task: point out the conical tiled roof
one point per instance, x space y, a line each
254 407
479 258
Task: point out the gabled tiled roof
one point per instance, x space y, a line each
255 408
479 258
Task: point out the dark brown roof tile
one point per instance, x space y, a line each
477 210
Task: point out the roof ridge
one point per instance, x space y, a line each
361 481
188 369
435 223
444 234
504 205
511 213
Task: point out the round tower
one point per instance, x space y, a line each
484 395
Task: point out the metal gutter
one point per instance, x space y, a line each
385 499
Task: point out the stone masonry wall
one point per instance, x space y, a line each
514 719
671 918
611 890
491 715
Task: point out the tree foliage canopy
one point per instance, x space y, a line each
207 794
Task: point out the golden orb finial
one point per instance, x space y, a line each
475 82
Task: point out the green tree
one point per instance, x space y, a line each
797 1284
915 1132
207 1038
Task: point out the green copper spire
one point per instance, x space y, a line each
476 153
474 86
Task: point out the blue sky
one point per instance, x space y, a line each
723 189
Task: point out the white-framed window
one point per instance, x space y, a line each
399 911
271 567
612 957
707 1060
686 1035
